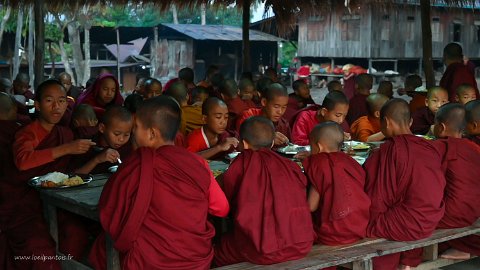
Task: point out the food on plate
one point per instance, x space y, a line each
217 172
360 146
55 177
73 181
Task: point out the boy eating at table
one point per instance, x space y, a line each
84 122
274 103
155 207
337 197
367 128
462 191
465 93
212 140
334 108
267 193
398 174
472 116
113 142
423 118
40 148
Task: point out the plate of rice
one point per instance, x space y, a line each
60 180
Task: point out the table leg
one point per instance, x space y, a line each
113 261
51 216
363 265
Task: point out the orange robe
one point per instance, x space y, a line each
364 127
271 219
191 118
343 212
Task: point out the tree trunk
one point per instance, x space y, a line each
86 45
425 7
4 22
246 64
52 58
18 40
63 52
74 38
154 53
39 41
203 12
174 13
31 33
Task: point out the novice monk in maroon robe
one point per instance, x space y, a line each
105 91
334 108
236 105
398 176
465 93
472 116
337 196
358 103
462 191
113 142
40 148
212 140
274 104
423 119
267 193
84 122
299 99
155 207
457 73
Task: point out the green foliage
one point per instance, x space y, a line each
287 53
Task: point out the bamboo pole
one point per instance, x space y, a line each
246 64
39 41
425 7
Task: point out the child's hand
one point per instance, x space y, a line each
110 155
229 142
280 139
347 136
79 146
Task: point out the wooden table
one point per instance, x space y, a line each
83 201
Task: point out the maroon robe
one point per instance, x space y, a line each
349 85
272 223
462 191
474 138
21 209
296 103
155 209
343 212
398 174
423 119
79 160
357 108
455 75
85 132
345 126
235 107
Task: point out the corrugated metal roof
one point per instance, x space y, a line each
219 32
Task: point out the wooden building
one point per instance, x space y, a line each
371 33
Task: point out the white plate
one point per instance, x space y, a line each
37 182
293 149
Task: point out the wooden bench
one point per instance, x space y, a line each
359 255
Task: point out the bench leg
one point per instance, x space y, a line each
51 217
430 253
363 265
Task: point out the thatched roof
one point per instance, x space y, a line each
286 11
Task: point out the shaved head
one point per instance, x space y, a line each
334 85
258 132
463 88
375 102
229 88
333 98
162 113
385 88
433 90
8 107
412 82
83 111
116 112
5 85
210 103
275 90
397 110
178 91
364 81
451 115
453 51
328 134
472 111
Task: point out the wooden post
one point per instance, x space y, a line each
39 41
246 64
118 56
427 42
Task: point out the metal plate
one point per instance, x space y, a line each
113 169
293 149
37 183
